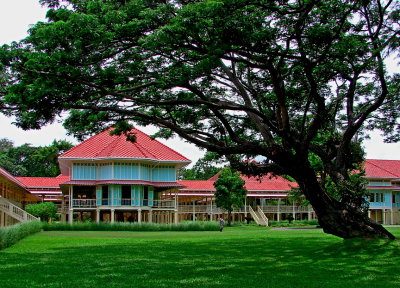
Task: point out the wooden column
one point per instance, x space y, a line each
391 216
384 216
139 215
279 210
294 212
97 215
194 211
150 216
112 215
71 216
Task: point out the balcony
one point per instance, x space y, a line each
265 209
123 202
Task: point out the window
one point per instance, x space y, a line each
104 195
126 195
376 197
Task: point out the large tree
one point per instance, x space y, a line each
287 80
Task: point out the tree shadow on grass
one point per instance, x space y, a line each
214 262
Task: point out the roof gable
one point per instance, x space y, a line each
103 145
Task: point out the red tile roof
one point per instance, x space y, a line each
375 168
103 145
267 183
197 185
50 182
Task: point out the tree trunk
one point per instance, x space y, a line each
337 218
229 217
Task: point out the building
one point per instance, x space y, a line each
107 178
384 186
267 196
112 179
13 198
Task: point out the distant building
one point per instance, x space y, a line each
107 178
384 187
13 198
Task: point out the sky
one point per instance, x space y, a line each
16 16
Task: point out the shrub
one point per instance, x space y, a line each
44 210
294 223
12 234
126 226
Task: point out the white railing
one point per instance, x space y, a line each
84 203
262 215
254 215
93 203
162 203
15 211
285 209
205 209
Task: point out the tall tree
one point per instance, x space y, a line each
281 79
229 191
27 160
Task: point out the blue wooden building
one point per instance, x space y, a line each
113 179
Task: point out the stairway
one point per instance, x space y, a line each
14 211
259 216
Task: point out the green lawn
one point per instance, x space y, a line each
238 257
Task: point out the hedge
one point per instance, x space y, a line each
12 234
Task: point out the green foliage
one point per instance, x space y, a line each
204 168
26 160
229 191
44 210
122 226
297 223
12 234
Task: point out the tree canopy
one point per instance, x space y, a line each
229 191
203 169
280 79
44 210
27 160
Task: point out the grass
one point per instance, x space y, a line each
247 256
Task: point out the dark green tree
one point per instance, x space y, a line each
27 160
229 191
280 79
203 169
44 210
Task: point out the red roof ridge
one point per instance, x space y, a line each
141 148
368 160
162 144
111 145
